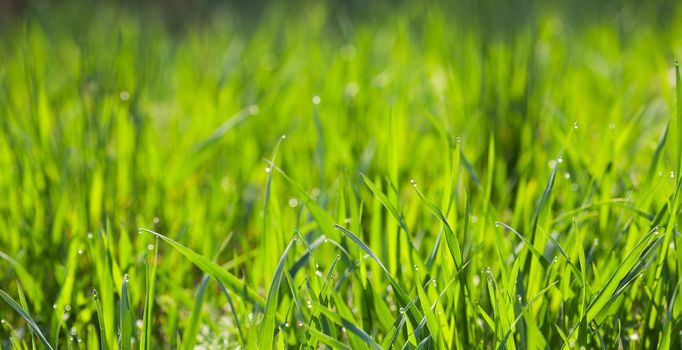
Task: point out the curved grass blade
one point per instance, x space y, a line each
229 280
403 297
529 245
450 237
232 309
329 341
383 199
31 323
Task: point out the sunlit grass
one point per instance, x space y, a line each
435 177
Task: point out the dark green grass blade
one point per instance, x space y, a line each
232 310
104 343
189 337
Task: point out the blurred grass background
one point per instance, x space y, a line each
119 115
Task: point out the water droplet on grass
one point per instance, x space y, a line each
90 235
124 95
80 251
413 182
150 246
267 170
67 308
316 100
575 125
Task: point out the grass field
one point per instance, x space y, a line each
412 176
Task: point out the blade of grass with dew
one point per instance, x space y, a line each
125 317
100 322
147 320
31 323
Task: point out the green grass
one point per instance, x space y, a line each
413 176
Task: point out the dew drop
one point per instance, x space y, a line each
316 100
560 160
575 125
253 109
67 308
80 251
402 311
459 139
672 174
124 95
326 240
54 306
90 235
267 170
567 176
284 136
300 323
156 220
413 182
150 246
73 331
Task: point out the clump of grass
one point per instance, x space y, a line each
444 176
